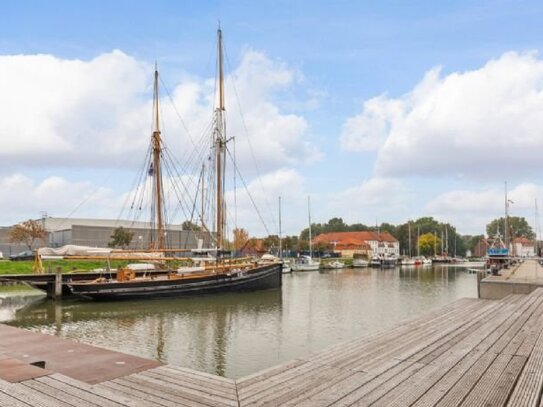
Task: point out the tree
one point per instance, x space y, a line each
387 227
316 229
27 233
241 237
428 242
302 245
358 227
323 247
188 225
335 225
290 243
455 243
518 227
121 237
271 243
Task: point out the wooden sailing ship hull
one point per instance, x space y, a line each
259 278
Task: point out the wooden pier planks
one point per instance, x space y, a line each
530 383
469 353
478 349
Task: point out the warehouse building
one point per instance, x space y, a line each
97 233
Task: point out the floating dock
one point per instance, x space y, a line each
469 353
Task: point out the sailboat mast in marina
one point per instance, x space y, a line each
280 234
306 263
418 244
156 171
409 232
220 148
209 274
309 218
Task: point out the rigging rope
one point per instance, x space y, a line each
259 176
249 194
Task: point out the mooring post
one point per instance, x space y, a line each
58 284
479 278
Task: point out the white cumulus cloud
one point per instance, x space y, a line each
58 112
375 199
264 192
27 198
477 124
472 209
69 112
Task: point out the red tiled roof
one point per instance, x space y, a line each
253 246
354 238
523 241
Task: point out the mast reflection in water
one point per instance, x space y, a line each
234 335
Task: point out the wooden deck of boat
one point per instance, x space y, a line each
469 353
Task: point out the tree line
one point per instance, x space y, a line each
430 235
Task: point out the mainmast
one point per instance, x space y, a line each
506 221
418 245
220 151
309 218
409 231
280 237
158 216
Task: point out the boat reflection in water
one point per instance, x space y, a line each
239 334
195 331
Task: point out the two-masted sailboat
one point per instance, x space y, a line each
214 272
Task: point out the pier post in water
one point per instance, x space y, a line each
57 294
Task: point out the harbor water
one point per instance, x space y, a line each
234 335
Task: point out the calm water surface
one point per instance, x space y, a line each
234 335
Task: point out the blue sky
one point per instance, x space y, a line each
333 57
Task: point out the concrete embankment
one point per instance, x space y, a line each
520 279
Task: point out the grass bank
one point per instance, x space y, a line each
25 267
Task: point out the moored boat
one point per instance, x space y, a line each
334 264
217 273
360 260
242 278
408 261
305 263
388 260
375 261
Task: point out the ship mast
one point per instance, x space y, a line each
158 215
220 151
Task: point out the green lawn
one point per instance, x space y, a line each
25 267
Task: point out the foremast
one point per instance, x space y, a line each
157 207
219 142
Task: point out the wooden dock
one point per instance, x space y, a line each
469 353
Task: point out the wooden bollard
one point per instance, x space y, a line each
479 278
57 295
